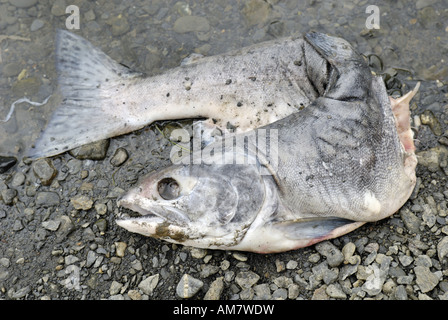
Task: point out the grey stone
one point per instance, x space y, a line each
291 265
8 196
92 151
23 3
405 260
36 25
400 293
191 24
335 291
115 288
44 171
283 282
293 291
428 118
377 277
20 293
247 279
215 290
420 4
81 202
4 262
208 270
188 286
70 259
280 294
51 225
423 261
18 179
425 279
119 157
17 226
442 248
431 158
149 284
256 11
91 258
119 25
120 248
10 70
331 252
58 8
262 291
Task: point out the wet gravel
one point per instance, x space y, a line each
58 237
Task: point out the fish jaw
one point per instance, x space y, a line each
208 210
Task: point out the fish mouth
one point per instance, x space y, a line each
152 220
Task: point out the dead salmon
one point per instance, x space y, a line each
243 89
344 160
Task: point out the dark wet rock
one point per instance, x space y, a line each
191 24
6 163
120 156
23 3
119 25
427 17
188 286
11 69
36 25
58 8
8 196
44 171
92 151
26 87
47 199
256 12
420 4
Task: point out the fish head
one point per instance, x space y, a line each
198 205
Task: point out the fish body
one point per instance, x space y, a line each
346 159
243 89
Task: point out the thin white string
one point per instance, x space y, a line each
11 110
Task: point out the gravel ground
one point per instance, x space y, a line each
58 237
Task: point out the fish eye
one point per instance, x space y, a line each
168 188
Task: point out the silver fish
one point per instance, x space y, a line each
243 89
346 159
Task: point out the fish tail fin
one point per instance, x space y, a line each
88 80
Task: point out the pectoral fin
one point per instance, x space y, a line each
314 230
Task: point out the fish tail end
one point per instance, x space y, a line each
86 78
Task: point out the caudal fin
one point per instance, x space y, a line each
87 79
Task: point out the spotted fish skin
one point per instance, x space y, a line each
345 160
243 90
